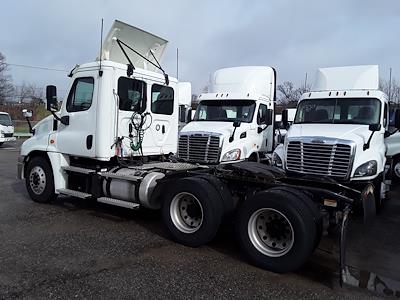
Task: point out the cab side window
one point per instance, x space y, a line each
132 94
385 115
162 99
81 95
262 112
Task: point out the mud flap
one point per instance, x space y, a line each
368 204
343 233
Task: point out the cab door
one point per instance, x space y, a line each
164 111
77 138
266 136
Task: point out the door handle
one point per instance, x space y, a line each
163 129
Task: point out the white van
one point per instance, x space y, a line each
6 128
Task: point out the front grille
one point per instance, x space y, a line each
319 159
199 148
8 135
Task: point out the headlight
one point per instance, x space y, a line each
276 160
231 155
367 169
1 133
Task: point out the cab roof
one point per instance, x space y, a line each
347 78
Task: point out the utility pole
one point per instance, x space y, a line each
390 82
305 83
177 63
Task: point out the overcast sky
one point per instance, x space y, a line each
295 37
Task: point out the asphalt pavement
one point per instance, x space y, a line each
75 248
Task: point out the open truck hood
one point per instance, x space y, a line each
136 38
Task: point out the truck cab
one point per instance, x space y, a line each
120 108
6 128
339 130
233 121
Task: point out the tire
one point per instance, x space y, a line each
39 180
276 250
1 144
228 202
192 211
396 170
313 208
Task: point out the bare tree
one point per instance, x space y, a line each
29 92
392 89
288 94
6 87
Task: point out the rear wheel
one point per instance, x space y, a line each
192 211
1 144
276 230
39 180
307 200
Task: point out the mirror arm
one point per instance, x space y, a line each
232 136
387 133
366 146
61 120
31 130
260 129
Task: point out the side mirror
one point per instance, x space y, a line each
182 113
268 118
374 127
27 113
236 124
185 114
285 120
397 119
51 97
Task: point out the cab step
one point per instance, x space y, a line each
120 176
119 203
74 193
78 170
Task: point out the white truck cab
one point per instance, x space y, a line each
233 121
339 130
6 128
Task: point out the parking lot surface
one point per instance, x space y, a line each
79 249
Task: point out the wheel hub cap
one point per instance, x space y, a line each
186 212
270 232
37 180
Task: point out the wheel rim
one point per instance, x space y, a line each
37 180
186 212
270 232
397 169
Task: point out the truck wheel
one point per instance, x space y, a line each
39 180
276 231
192 211
396 170
313 208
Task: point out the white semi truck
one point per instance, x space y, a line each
113 142
340 130
6 128
233 121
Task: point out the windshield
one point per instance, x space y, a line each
225 110
339 111
5 120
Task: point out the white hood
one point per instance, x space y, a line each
140 40
354 132
224 128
